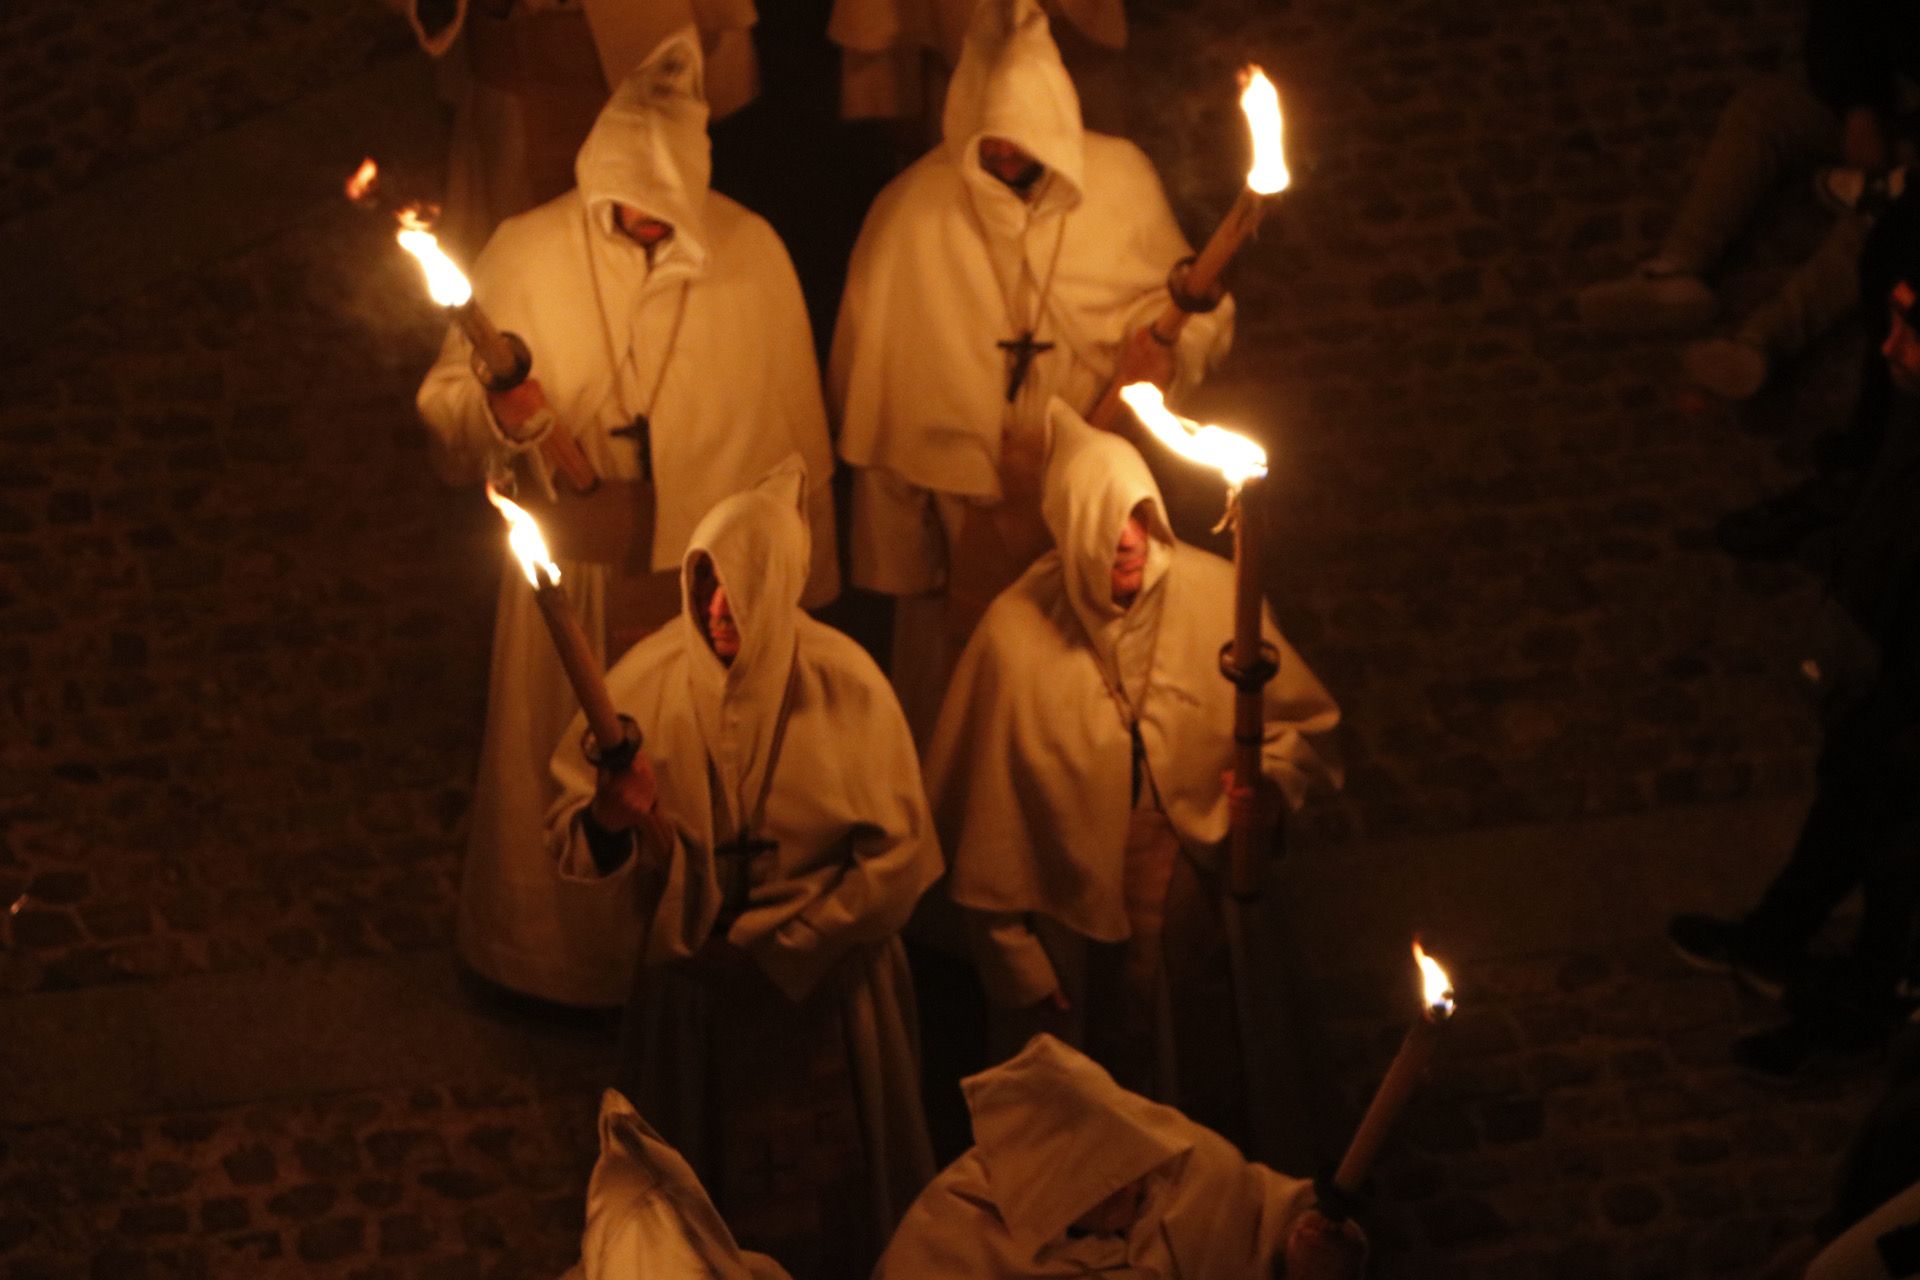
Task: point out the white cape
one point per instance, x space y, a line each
648 1217
855 844
739 393
1053 1137
1030 765
915 376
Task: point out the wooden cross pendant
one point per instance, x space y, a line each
1023 349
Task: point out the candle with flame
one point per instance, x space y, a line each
1403 1077
569 639
1267 176
1239 461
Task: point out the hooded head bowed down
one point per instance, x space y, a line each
1011 84
649 149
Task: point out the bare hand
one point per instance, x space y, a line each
1260 804
1862 142
1320 1249
624 800
515 409
1144 358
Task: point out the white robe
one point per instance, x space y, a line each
718 325
1030 766
916 380
1053 1137
648 1217
855 844
511 141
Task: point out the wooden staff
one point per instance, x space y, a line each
1251 669
1266 177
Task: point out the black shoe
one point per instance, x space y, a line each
1714 945
1705 942
1777 527
1802 1047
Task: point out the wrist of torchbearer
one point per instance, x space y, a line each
1335 1203
1193 304
619 757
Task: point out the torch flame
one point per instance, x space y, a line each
1436 986
446 282
1261 103
1235 457
523 535
363 179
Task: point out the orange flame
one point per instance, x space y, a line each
1235 457
523 536
445 281
1261 103
363 179
1436 986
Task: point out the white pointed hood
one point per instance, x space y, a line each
649 149
1094 480
760 549
648 1217
1056 1136
1011 84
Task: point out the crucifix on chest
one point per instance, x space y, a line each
1020 353
735 857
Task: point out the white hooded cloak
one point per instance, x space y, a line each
1053 1137
951 262
855 844
916 378
1030 768
712 341
527 87
648 1217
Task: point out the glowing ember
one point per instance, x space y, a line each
1436 986
1261 102
446 282
1235 457
363 179
523 535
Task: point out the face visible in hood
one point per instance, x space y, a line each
1104 510
1130 555
1006 160
715 612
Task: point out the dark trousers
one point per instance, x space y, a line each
1862 831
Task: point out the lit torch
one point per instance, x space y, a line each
1403 1077
1247 662
569 638
500 360
1266 176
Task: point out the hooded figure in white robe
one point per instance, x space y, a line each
528 82
707 339
648 1217
1076 779
790 842
895 54
952 269
1058 1143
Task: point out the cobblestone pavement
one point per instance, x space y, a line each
242 630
